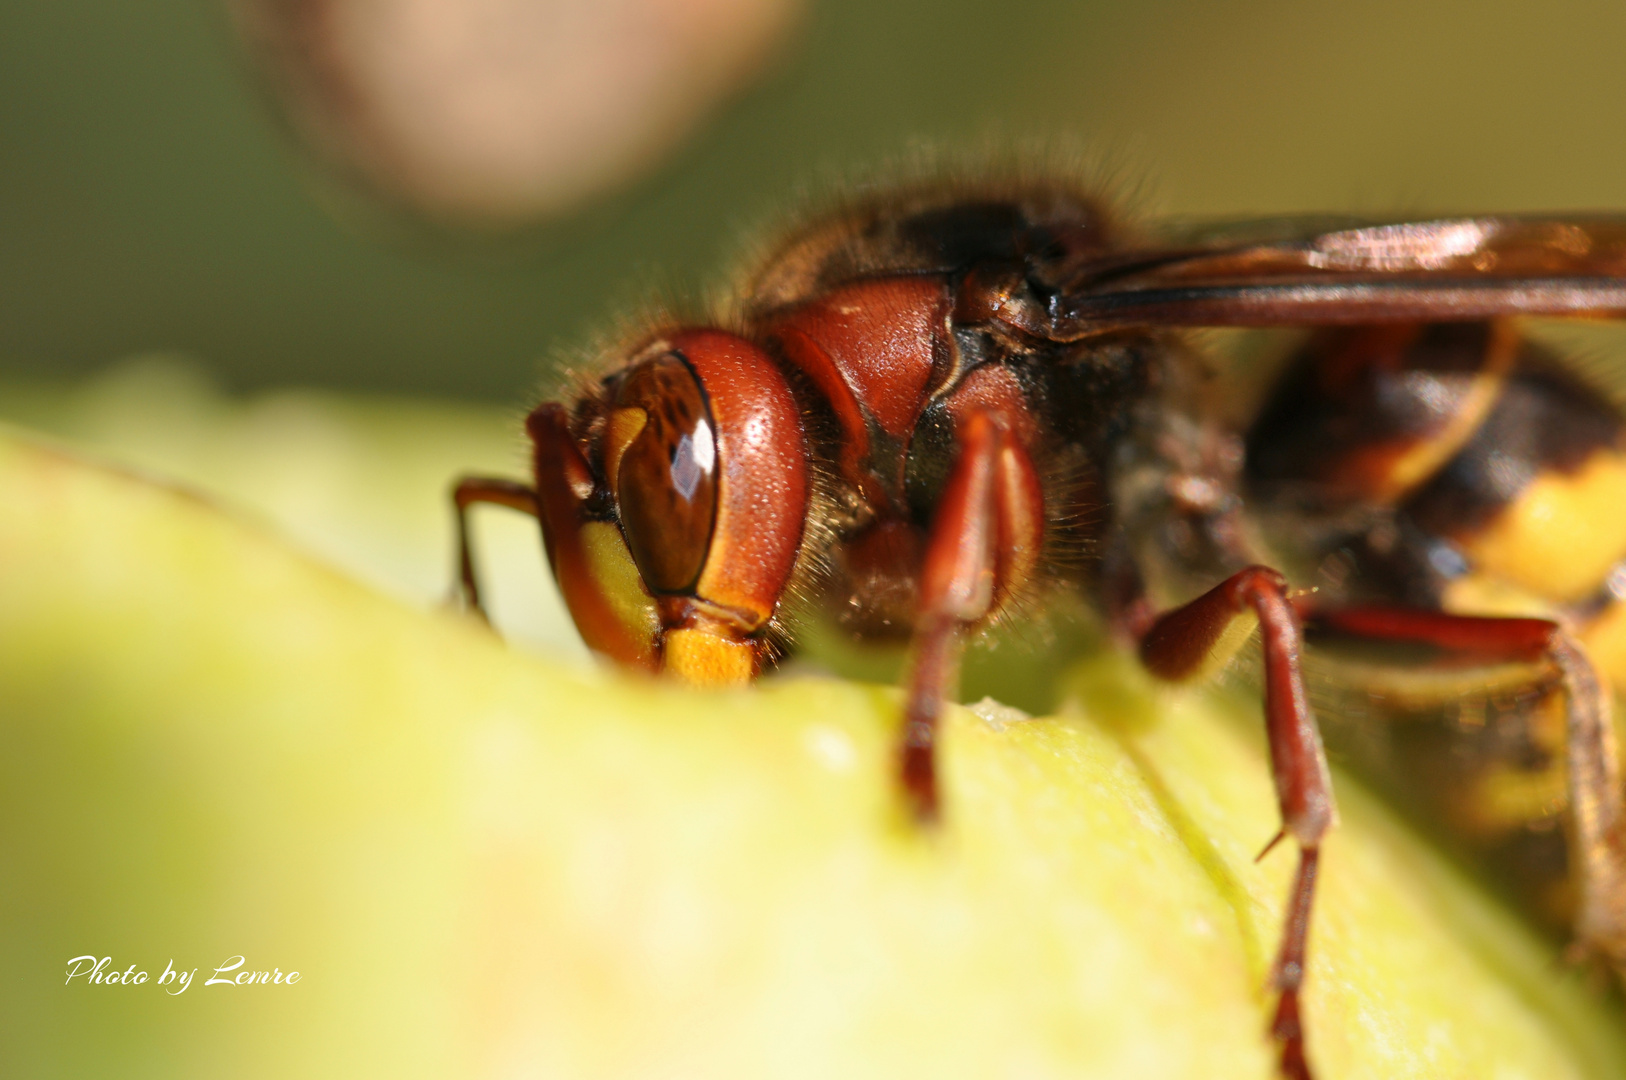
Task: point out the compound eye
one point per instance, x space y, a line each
665 478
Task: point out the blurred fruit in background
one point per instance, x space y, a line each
497 112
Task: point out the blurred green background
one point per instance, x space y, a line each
151 200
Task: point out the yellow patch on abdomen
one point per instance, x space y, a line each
1562 535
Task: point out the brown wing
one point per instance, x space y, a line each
1263 274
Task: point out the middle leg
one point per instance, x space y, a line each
1194 640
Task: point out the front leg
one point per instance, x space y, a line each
481 489
1196 639
984 541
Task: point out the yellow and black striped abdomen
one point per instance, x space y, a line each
1451 466
1463 468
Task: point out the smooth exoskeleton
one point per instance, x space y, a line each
927 409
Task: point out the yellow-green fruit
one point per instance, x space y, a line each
484 864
